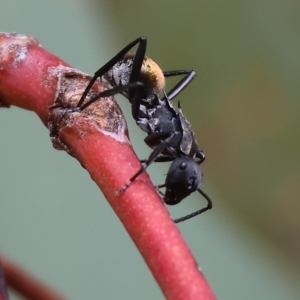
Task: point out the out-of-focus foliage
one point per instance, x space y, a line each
244 105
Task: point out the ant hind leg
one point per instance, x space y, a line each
181 85
143 42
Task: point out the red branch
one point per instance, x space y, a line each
34 79
3 286
25 284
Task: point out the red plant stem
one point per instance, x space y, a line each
32 81
3 286
25 284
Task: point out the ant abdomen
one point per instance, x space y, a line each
150 75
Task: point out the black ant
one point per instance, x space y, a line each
170 134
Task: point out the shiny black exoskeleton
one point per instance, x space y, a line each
170 134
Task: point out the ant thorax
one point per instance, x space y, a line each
189 144
164 117
150 75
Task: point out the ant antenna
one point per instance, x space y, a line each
198 212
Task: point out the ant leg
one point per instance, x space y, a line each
200 154
138 60
153 156
135 96
161 159
198 212
111 92
144 166
181 85
155 138
142 40
160 186
165 159
135 100
176 72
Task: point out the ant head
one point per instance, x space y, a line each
183 178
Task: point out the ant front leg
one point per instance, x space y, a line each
160 186
198 212
200 154
144 166
153 156
143 43
161 159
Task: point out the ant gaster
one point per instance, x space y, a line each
170 134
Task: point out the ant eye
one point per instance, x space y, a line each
183 166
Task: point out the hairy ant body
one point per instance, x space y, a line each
170 134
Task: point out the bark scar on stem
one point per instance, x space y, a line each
16 44
104 115
13 50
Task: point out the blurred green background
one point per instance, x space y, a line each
244 107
